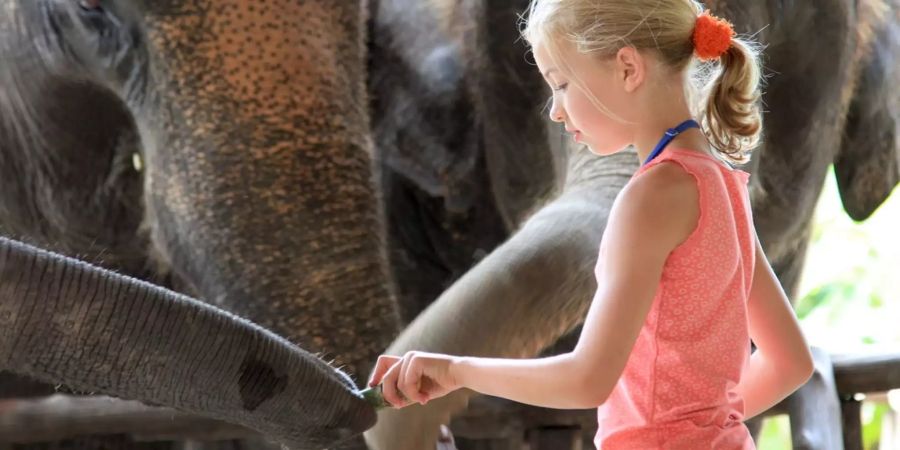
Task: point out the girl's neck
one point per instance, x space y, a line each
690 139
664 106
647 135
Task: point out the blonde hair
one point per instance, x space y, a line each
724 94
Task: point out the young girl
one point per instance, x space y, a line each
682 281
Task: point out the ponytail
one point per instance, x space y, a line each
730 114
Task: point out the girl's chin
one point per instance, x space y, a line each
601 150
604 150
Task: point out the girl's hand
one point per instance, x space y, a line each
417 377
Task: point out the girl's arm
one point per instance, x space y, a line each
782 361
553 382
651 216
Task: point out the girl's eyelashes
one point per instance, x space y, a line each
561 87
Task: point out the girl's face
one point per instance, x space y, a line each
603 131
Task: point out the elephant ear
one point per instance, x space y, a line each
867 165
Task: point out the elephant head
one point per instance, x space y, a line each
254 137
258 191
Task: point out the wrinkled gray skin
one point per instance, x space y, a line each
60 320
831 99
535 287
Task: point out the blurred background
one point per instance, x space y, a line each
850 303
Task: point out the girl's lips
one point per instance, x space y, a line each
576 135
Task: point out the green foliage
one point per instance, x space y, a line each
848 299
775 433
872 415
847 296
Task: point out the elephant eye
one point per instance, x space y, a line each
89 4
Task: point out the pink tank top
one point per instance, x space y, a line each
677 389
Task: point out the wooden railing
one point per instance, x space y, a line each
825 415
862 374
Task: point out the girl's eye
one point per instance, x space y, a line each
561 87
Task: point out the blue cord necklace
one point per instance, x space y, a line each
670 134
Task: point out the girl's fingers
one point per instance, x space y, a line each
403 379
389 386
411 381
381 367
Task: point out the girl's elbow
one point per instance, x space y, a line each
809 362
594 384
802 369
807 368
590 393
596 398
594 393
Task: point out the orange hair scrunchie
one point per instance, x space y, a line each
712 36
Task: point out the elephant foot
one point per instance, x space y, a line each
445 439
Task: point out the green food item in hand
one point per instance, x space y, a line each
375 397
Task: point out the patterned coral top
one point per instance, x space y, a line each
677 388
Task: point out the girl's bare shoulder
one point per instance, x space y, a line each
664 200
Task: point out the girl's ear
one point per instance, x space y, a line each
630 68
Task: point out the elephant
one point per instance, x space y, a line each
239 176
298 111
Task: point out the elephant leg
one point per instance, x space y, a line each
815 409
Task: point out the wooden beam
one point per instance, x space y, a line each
61 417
864 373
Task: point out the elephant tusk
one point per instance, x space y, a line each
137 161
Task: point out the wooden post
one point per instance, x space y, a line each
815 410
852 423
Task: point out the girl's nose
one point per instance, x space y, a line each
556 113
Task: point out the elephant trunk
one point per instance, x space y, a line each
97 331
